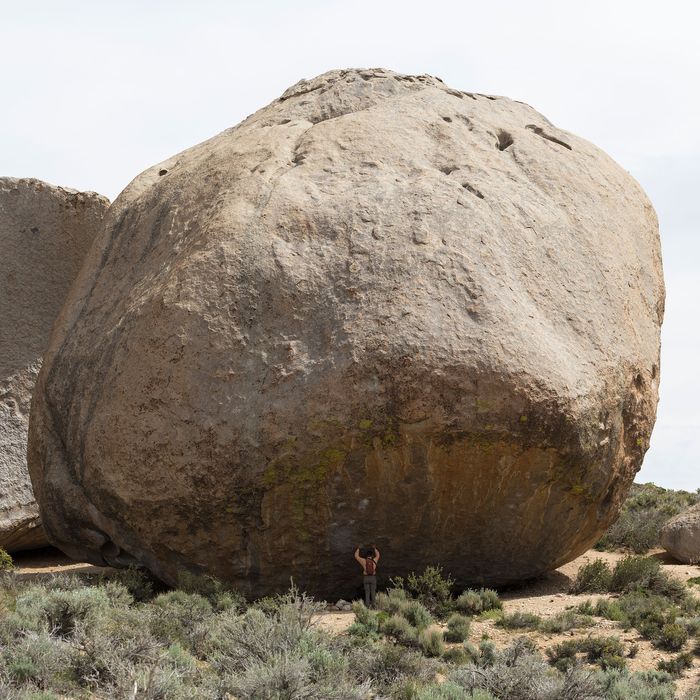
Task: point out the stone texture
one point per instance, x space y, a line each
680 536
45 232
379 309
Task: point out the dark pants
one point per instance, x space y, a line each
370 590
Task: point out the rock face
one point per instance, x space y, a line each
45 232
680 537
379 309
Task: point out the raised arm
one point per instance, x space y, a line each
376 553
360 560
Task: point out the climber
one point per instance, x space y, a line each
368 562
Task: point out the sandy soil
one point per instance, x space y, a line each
546 597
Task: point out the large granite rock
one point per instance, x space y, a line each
680 536
45 232
379 309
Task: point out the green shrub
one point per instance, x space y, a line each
634 572
446 691
6 563
487 653
457 628
676 665
392 600
416 614
431 643
469 602
594 577
520 673
618 684
456 656
520 620
430 588
400 629
564 621
473 602
691 625
608 652
672 637
58 611
139 582
178 617
35 658
220 595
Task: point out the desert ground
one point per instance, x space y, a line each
545 597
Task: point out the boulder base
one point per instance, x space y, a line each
378 310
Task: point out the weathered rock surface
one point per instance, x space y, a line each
45 232
680 536
379 309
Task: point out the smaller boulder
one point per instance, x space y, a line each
680 536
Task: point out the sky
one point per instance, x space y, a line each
92 93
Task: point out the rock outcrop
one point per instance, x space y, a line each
45 232
379 309
680 536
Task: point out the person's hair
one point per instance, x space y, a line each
369 552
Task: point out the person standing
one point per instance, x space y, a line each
368 562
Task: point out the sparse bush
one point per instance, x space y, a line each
35 658
691 625
446 691
399 628
469 602
473 602
220 595
139 582
565 621
431 588
431 643
457 628
58 611
676 665
391 601
594 577
6 563
457 656
645 685
672 637
178 617
519 673
520 620
608 652
634 572
416 614
366 623
487 653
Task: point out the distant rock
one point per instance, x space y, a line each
45 232
379 309
680 536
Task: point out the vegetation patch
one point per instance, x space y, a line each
645 511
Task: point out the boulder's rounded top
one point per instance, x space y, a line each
379 305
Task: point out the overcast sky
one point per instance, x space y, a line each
91 93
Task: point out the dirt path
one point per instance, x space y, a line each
545 597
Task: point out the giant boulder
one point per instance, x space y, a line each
377 309
680 536
45 232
